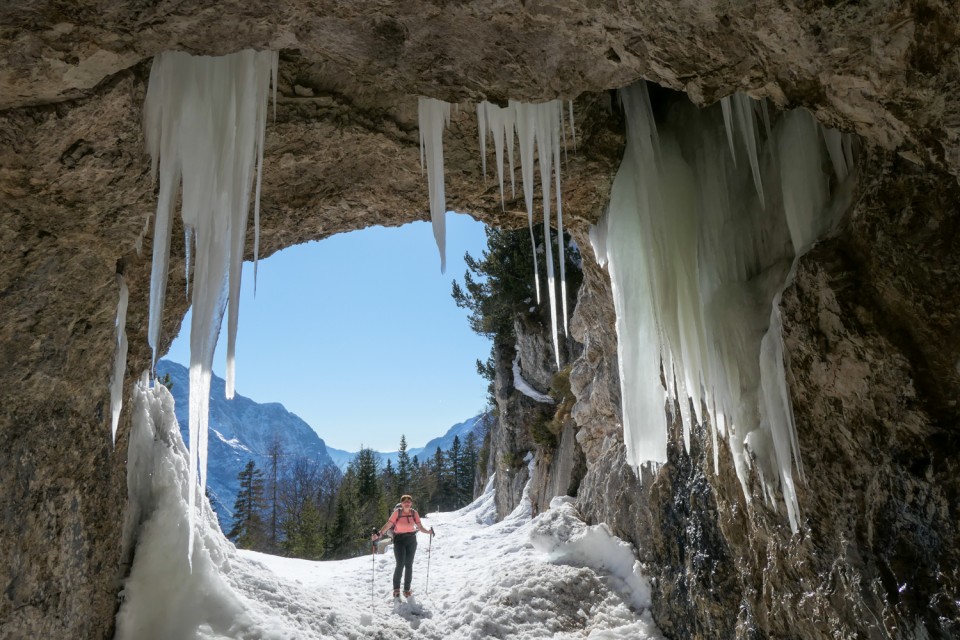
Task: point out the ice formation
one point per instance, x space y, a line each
119 360
165 595
204 120
434 116
524 387
541 132
699 249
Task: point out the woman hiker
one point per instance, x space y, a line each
405 522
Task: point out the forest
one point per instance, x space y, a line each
303 509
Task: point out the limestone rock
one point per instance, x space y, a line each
871 323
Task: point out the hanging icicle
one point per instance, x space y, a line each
434 117
119 360
690 264
204 120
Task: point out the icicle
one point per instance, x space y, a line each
495 121
500 122
728 123
778 411
745 123
526 133
834 141
187 244
509 127
765 112
204 120
697 273
805 188
573 131
434 116
482 128
560 244
119 360
545 116
563 136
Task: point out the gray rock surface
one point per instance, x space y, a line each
871 324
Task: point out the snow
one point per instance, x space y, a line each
524 387
551 576
699 253
204 120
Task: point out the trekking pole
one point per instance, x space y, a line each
426 592
373 571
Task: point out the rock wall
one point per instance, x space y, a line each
870 323
875 405
526 426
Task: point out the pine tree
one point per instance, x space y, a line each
248 526
388 479
274 454
403 468
455 464
499 286
305 537
418 481
470 456
371 506
341 540
438 480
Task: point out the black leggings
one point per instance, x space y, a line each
404 548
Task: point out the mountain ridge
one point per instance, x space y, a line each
242 429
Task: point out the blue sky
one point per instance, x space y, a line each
358 335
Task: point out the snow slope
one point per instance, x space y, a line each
546 577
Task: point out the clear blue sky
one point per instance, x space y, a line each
358 335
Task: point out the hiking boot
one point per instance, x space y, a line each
407 594
396 593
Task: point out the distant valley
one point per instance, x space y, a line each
243 429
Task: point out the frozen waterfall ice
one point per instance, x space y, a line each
119 360
204 120
699 248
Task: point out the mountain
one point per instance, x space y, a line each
240 430
342 458
243 429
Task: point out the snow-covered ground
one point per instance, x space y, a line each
546 577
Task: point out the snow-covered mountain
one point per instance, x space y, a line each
342 458
241 430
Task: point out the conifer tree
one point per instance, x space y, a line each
305 537
341 541
470 455
274 454
455 465
371 506
389 479
248 530
438 480
403 468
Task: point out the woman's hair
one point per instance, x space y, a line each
406 497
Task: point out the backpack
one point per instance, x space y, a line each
399 507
